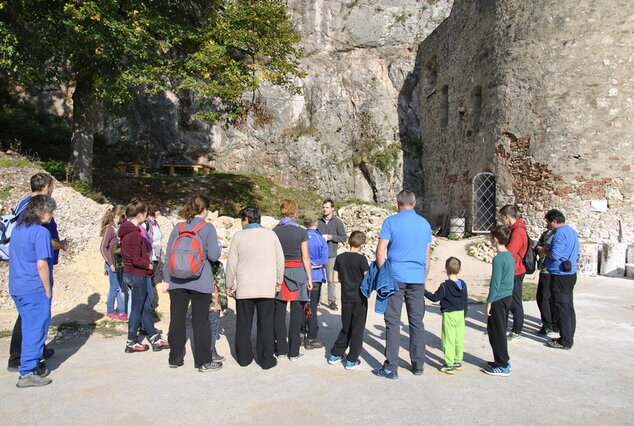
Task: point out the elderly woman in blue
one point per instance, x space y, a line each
31 285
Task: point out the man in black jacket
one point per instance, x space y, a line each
331 227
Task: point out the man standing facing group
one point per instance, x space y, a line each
331 227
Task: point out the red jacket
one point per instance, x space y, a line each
134 250
518 245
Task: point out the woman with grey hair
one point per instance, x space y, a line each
31 285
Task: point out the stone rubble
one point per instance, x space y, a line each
483 251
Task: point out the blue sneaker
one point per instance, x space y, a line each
349 365
383 372
499 371
332 360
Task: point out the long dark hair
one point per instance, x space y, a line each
38 206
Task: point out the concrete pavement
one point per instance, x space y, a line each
95 382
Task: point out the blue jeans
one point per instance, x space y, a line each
35 310
140 312
214 324
115 292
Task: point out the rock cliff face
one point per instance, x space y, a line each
352 132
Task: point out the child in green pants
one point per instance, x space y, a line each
452 295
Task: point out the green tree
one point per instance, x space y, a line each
108 50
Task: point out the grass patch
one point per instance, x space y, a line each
16 162
228 192
5 192
87 191
110 328
529 291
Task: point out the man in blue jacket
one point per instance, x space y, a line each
561 263
405 240
318 252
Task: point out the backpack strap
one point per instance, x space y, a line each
17 212
197 228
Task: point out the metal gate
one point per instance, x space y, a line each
483 202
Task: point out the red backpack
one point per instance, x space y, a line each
186 258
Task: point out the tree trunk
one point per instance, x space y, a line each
83 130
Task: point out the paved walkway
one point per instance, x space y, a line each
95 382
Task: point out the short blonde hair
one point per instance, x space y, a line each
288 208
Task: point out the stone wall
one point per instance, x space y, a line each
539 94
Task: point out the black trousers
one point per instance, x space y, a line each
353 316
496 330
282 346
265 340
179 301
517 307
545 301
562 287
311 325
15 348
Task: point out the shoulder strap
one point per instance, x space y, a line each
182 230
19 212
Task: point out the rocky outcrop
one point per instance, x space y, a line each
353 130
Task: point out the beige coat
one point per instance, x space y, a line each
255 264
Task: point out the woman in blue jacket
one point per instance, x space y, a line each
31 285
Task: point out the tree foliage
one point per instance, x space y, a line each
110 49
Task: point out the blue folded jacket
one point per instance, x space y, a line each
382 281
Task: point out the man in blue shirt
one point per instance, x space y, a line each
41 184
561 263
404 241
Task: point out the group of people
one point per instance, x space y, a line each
268 268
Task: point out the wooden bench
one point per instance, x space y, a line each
197 168
123 166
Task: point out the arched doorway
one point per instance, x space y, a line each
483 202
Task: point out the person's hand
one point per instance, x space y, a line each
113 268
278 288
48 292
105 272
64 244
163 287
488 310
310 285
151 267
328 237
231 292
224 312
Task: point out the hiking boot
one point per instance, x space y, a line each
158 344
499 371
544 331
313 344
333 306
32 379
384 372
332 359
217 358
418 369
446 369
513 336
132 346
457 366
349 365
556 345
210 366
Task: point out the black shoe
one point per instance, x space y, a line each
180 364
48 353
13 368
492 364
417 369
313 344
555 344
333 306
544 331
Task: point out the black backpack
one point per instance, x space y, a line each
530 258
